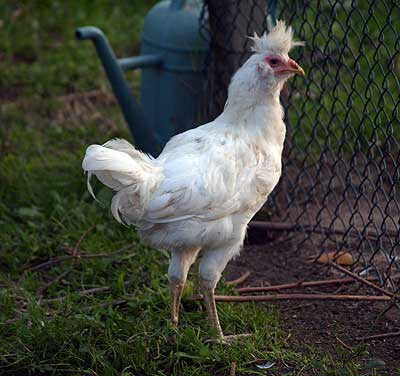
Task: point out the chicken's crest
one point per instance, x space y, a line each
279 40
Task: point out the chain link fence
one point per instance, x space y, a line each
340 182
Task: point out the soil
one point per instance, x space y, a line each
328 327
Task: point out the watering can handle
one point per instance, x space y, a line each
177 4
126 63
114 68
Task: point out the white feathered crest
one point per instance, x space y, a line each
279 40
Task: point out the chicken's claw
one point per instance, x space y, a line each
229 340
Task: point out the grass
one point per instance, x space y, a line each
46 326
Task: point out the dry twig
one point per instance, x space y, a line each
75 250
299 306
267 298
239 280
363 280
43 289
233 369
111 303
83 293
343 344
93 94
379 336
59 259
300 284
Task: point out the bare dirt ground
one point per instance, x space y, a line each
334 327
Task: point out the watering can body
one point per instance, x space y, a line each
173 81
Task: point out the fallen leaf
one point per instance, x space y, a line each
341 258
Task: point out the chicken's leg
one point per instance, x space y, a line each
209 301
177 273
211 267
176 294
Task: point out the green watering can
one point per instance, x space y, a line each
173 81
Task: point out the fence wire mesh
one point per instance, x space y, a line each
340 181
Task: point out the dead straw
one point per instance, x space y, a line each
239 280
267 298
379 336
60 259
300 284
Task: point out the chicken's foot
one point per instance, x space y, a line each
209 301
176 294
234 338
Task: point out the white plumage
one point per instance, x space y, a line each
200 193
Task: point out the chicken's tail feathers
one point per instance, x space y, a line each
121 167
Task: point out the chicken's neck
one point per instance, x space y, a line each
260 117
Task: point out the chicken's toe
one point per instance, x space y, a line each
229 340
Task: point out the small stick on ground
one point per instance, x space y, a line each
57 279
293 308
300 284
83 293
233 369
111 303
379 336
362 280
60 259
343 344
75 251
239 280
93 94
267 298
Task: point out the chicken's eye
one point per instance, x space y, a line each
273 62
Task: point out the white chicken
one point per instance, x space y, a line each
201 192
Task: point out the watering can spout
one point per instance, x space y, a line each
114 68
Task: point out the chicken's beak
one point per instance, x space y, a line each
295 68
300 71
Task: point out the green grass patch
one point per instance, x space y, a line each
47 326
40 54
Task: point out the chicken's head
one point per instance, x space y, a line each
272 53
270 65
